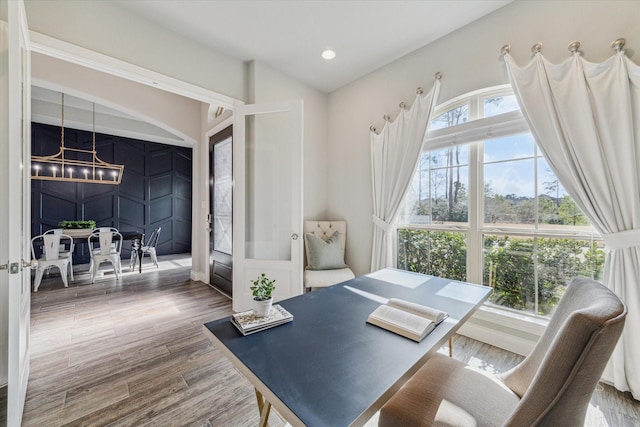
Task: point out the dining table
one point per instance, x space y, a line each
81 235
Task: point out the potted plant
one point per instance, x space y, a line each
77 228
261 290
86 224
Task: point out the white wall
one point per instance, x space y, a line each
173 113
110 30
469 59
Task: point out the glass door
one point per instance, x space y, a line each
15 193
268 199
221 211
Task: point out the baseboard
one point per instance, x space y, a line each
199 276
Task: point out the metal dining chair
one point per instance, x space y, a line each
51 256
63 249
148 248
105 246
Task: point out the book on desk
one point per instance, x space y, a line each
248 323
411 320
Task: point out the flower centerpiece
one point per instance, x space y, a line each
261 290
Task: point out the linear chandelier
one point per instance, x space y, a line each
75 164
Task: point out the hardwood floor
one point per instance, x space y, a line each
131 353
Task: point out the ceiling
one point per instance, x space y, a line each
290 35
287 35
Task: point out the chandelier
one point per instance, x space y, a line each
74 164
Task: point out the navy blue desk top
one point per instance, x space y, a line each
331 368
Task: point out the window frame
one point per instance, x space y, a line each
473 133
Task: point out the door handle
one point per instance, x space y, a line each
29 264
294 236
15 267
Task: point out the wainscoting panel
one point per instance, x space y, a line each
155 190
101 208
132 211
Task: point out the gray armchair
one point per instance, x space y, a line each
551 386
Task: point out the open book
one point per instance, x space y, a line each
408 319
248 323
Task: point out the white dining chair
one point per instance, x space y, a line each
105 246
51 256
63 249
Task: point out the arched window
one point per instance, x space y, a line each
486 208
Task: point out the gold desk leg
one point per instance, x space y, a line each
264 407
450 346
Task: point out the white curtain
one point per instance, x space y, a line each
586 119
394 156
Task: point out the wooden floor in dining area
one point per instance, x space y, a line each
131 352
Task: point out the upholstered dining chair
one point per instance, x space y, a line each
552 386
51 256
105 246
325 244
149 248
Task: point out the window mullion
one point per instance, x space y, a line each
474 236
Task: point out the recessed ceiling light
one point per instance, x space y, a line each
328 54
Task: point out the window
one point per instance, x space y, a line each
485 207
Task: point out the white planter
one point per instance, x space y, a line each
77 232
262 308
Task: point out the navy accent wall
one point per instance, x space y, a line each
155 190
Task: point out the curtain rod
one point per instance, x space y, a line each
403 105
573 47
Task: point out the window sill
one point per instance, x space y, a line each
505 329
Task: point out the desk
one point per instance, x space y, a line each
329 367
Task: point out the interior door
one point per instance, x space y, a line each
267 203
15 192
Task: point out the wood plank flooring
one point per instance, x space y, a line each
131 353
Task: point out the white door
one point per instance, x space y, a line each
267 202
15 194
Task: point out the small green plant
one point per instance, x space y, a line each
77 224
262 287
